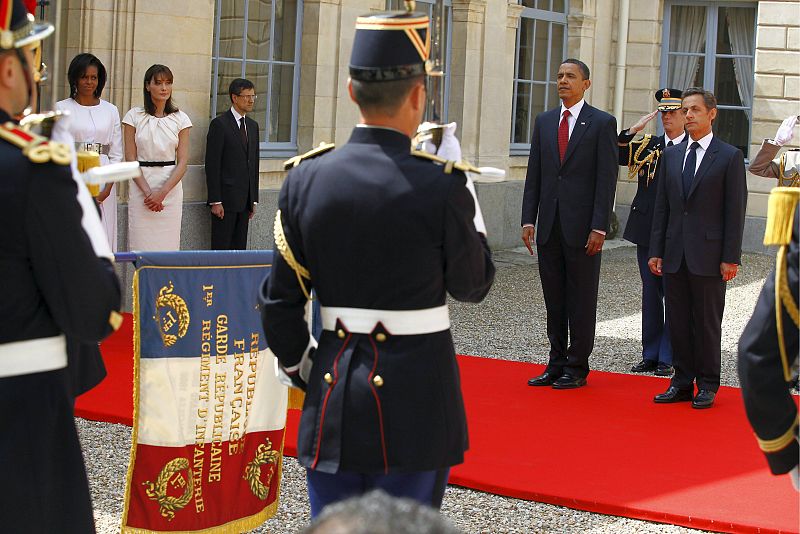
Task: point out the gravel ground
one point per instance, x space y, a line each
509 324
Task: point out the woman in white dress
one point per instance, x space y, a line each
157 136
94 125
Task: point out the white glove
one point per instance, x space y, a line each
794 475
785 132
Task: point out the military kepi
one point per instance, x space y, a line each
668 99
392 45
18 27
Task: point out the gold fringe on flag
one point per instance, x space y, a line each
89 160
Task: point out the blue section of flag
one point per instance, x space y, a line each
200 301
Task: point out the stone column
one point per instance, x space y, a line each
642 80
319 69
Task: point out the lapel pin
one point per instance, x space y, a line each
583 124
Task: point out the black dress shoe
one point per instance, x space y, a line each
644 366
545 379
704 399
569 382
673 394
664 369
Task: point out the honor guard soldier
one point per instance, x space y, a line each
785 168
55 286
382 234
642 158
768 348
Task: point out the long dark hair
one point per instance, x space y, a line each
153 72
77 68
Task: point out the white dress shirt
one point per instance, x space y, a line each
574 111
675 141
701 150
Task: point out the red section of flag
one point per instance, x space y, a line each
30 5
229 482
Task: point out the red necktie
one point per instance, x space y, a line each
563 135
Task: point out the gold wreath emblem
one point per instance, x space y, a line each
252 472
174 312
158 491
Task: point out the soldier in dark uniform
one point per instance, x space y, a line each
55 285
382 234
642 158
768 348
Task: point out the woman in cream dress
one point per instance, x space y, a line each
157 136
94 125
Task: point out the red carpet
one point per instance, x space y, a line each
604 448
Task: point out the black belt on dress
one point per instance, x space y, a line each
156 163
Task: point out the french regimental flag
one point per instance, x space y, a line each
209 412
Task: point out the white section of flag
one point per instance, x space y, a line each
171 407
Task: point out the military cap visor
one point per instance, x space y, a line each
390 46
18 28
669 99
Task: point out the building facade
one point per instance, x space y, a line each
500 57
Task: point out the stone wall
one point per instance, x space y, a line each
777 88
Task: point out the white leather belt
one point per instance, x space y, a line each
32 356
396 322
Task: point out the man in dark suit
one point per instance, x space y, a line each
768 348
232 169
696 245
572 174
382 234
642 158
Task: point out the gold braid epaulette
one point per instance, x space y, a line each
283 247
635 164
449 165
36 148
313 153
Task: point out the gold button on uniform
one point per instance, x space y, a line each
377 380
328 378
380 337
340 333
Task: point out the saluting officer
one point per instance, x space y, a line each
768 348
786 167
382 234
54 285
642 158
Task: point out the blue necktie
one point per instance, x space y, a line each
688 168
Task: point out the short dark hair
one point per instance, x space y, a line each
77 68
584 68
378 513
708 97
383 97
153 72
238 85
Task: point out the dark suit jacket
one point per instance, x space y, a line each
583 187
707 227
232 169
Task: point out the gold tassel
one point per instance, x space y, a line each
780 215
89 160
296 398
